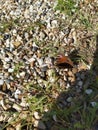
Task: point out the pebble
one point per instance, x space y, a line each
70 73
88 91
17 92
39 124
22 74
93 104
17 44
54 23
23 102
35 47
44 67
80 83
36 115
3 105
55 118
68 85
10 70
7 59
82 76
1 81
40 61
17 107
69 99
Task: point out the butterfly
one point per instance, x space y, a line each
64 61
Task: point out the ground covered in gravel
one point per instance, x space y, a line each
35 92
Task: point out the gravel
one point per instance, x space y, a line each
32 34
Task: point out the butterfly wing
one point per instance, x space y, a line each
62 60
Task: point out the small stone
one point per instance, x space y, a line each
74 70
17 107
40 61
42 35
93 104
7 59
82 76
35 47
31 59
70 73
4 87
36 115
1 120
10 70
69 99
39 124
89 66
55 118
26 14
52 80
65 78
88 91
17 44
3 105
1 81
17 75
44 67
22 74
54 23
26 35
72 79
80 83
17 92
49 61
68 85
23 102
14 31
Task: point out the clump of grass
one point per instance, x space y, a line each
5 25
85 21
18 67
67 6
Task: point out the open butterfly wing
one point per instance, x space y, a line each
62 60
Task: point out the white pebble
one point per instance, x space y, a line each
10 70
1 81
39 124
26 13
17 107
7 59
22 74
93 104
54 23
88 91
14 31
17 92
31 59
68 85
36 115
40 61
